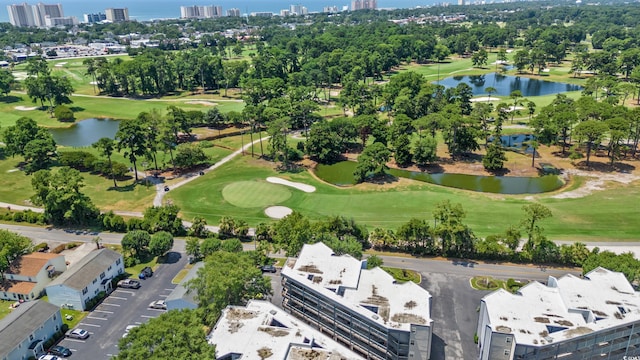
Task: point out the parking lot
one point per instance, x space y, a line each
106 324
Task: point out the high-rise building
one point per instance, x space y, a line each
298 10
42 11
364 309
117 15
21 15
364 4
94 18
595 316
461 2
235 12
330 9
200 12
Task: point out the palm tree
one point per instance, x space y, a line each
490 90
516 95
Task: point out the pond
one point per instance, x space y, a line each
342 174
505 84
85 132
517 142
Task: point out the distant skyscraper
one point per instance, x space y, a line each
233 12
117 15
364 4
200 12
460 2
94 18
330 9
42 11
21 15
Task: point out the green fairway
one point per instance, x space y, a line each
603 215
250 194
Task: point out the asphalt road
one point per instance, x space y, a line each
123 307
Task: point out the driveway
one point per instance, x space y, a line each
123 307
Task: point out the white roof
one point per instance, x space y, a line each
567 308
261 328
371 293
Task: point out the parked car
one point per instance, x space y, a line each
129 284
268 268
78 333
145 273
49 357
127 329
60 351
166 188
158 304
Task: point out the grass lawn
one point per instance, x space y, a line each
150 261
403 275
76 317
181 274
5 308
582 219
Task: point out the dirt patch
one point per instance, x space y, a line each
26 108
274 332
201 102
405 318
594 184
310 269
240 314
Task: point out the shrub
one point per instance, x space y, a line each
135 224
72 245
205 144
79 160
42 246
130 261
58 249
63 113
31 217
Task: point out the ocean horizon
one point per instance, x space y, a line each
170 9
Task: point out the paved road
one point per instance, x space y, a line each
124 307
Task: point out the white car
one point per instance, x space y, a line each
126 331
158 304
78 334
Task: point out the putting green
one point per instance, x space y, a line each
251 194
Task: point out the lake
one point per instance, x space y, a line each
505 84
341 174
85 132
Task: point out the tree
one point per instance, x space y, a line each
174 334
198 227
192 247
424 150
402 150
232 245
534 213
209 246
417 237
163 218
291 233
374 261
160 243
226 226
189 155
592 131
516 96
59 193
373 159
12 246
39 153
490 90
105 147
131 137
278 130
136 241
456 238
6 81
227 279
479 58
495 157
17 136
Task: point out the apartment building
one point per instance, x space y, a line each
94 18
235 12
364 4
366 310
260 330
117 15
200 12
593 317
39 15
29 274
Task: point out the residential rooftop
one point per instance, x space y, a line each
80 274
373 293
30 264
565 308
261 330
21 322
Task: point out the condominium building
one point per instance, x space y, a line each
364 4
298 10
593 317
235 12
94 18
261 330
35 15
117 15
200 12
367 310
330 9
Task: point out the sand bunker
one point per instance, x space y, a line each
300 186
60 64
201 102
485 98
25 108
277 212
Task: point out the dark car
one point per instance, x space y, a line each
201 172
60 351
145 273
166 188
268 268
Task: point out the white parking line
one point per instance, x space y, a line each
148 317
125 291
103 311
164 296
76 340
96 318
110 304
170 289
94 325
117 298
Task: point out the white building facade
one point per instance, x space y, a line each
86 279
28 275
570 318
366 310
